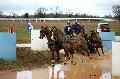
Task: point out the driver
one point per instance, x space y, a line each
67 29
76 27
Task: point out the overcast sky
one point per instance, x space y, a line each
93 7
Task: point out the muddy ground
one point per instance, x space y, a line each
27 59
32 60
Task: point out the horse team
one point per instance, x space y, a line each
75 42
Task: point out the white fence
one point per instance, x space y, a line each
57 19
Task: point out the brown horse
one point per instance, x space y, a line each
83 39
90 45
83 33
63 41
69 43
96 40
52 44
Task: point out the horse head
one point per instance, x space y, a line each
54 32
94 35
43 32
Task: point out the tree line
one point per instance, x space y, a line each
57 13
42 13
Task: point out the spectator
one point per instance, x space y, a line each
10 29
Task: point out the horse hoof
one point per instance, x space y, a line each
59 59
68 58
88 54
82 61
52 65
71 62
65 62
74 64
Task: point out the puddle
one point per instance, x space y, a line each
79 71
23 45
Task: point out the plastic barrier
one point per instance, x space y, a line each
107 38
36 42
115 58
7 46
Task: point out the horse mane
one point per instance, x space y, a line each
58 30
59 33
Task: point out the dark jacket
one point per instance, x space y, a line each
76 28
67 30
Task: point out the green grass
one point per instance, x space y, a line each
22 35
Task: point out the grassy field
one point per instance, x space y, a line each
26 59
24 37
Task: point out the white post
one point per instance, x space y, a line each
89 20
21 20
36 20
44 20
116 58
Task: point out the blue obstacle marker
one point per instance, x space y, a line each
107 45
107 38
110 36
7 46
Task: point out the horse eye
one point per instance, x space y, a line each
41 31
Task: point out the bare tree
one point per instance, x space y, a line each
116 11
14 15
69 13
1 14
58 12
41 12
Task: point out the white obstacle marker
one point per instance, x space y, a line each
117 38
36 42
115 58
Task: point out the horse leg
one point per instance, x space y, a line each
52 53
102 49
86 50
98 51
58 58
72 58
66 56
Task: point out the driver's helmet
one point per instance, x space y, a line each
75 22
68 22
45 27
